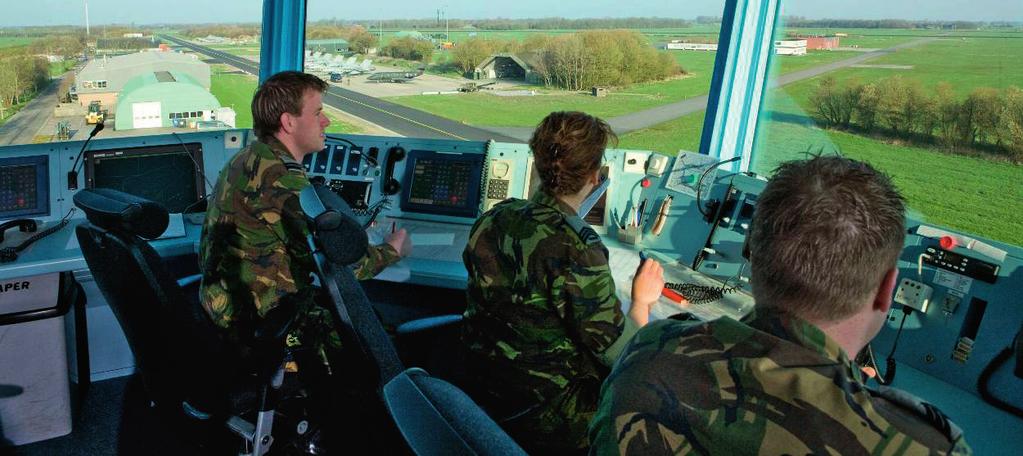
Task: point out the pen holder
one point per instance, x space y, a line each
630 235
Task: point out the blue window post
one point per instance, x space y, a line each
282 45
743 58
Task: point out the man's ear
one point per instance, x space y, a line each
886 290
287 122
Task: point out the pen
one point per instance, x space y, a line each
642 257
662 216
642 209
392 227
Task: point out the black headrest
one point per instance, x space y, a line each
341 237
122 212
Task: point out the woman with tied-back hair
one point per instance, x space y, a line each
543 324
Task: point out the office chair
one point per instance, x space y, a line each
433 416
195 380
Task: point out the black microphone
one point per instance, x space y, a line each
339 236
72 176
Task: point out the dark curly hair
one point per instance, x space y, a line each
568 148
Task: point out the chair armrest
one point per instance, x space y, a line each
184 282
422 325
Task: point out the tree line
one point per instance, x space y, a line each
24 70
232 31
577 61
21 76
799 21
359 39
409 48
548 23
987 119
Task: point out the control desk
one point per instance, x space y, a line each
684 211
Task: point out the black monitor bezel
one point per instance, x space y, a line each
42 184
194 149
475 193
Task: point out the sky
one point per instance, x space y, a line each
61 12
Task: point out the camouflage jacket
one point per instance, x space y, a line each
541 309
254 251
771 384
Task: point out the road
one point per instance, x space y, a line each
22 127
399 119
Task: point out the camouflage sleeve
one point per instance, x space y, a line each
590 296
639 412
281 258
376 259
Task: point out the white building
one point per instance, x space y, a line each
679 46
790 47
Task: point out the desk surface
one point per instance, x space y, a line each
60 252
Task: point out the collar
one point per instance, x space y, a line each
281 151
797 331
546 199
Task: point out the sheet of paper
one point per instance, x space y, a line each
685 173
395 273
175 227
433 239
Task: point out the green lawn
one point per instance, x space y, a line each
489 110
15 41
972 194
236 90
59 68
965 63
240 50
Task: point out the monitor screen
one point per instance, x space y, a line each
442 183
24 186
169 175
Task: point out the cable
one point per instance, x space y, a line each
985 377
198 167
890 364
699 183
8 254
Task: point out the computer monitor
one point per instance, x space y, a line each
24 187
170 175
442 183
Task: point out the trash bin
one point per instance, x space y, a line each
35 401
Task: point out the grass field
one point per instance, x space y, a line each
968 193
9 42
965 63
485 109
972 194
235 89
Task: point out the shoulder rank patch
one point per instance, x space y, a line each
925 411
293 166
583 230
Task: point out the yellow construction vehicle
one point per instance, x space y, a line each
95 114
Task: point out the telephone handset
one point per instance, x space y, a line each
25 225
8 254
392 185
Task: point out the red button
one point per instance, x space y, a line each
645 183
947 242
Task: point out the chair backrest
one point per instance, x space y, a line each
177 349
341 242
436 418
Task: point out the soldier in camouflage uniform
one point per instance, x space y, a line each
254 252
543 323
824 243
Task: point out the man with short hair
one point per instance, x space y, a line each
254 252
824 243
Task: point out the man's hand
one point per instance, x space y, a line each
646 290
401 242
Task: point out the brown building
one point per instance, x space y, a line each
820 42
